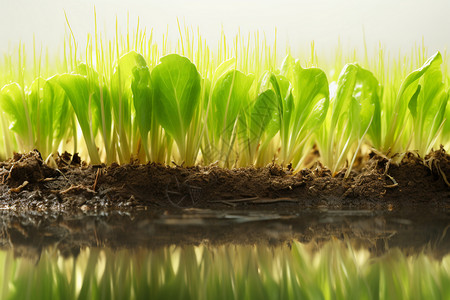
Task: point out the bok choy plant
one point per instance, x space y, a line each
354 113
253 122
427 107
397 116
302 107
176 91
229 96
55 115
17 112
78 91
122 103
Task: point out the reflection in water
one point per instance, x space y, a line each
204 254
293 270
377 231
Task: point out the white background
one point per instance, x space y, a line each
395 24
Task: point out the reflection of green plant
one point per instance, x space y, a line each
226 272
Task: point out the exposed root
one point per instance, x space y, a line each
94 186
77 189
434 162
19 188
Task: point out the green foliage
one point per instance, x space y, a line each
302 107
428 105
257 119
355 111
176 84
239 110
407 96
122 101
77 90
229 97
17 111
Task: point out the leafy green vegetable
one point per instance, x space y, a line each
176 84
143 103
14 104
56 113
353 111
122 101
232 111
254 121
428 105
396 123
229 96
301 111
77 89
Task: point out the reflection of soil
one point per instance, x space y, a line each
29 234
28 184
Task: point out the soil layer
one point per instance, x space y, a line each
27 183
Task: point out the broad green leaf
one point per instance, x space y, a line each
223 68
101 100
13 103
345 88
122 98
311 98
35 95
142 99
229 96
56 113
355 111
412 105
287 67
77 89
367 95
261 115
176 84
427 105
406 92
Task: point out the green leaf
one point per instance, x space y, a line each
122 98
427 105
77 89
367 95
230 95
303 111
176 84
406 92
311 96
55 112
142 99
412 105
13 103
355 111
261 115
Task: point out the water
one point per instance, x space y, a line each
203 254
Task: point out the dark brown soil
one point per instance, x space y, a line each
26 183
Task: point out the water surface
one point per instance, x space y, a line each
203 254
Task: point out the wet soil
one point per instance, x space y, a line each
27 183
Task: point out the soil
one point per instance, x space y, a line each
27 183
